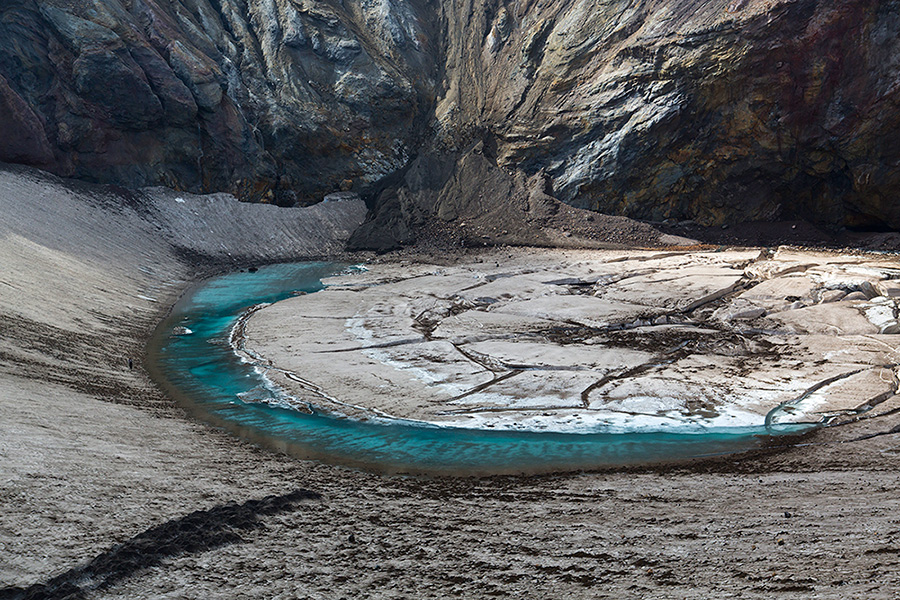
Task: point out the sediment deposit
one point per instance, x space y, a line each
579 340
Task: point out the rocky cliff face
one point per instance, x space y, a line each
718 111
282 100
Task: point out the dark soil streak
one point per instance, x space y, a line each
484 386
196 532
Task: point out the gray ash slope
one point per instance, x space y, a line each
120 258
107 491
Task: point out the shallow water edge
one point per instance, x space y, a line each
203 374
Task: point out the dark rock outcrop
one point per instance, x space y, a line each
468 199
273 100
716 111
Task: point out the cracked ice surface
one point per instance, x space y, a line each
569 340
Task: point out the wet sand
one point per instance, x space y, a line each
109 490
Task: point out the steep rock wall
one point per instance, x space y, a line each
719 111
279 100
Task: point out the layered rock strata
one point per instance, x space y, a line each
715 111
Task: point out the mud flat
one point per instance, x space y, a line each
108 490
560 340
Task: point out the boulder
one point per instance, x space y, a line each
831 296
890 328
889 288
855 296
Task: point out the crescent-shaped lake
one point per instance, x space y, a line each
200 368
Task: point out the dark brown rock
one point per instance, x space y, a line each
279 101
677 109
22 135
713 112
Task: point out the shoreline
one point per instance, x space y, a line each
407 465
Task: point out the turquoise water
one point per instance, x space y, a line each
205 373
